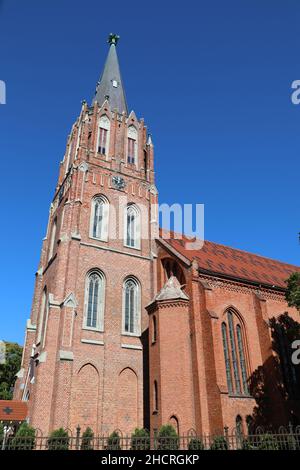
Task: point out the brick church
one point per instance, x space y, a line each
130 328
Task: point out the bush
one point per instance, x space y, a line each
195 444
24 438
247 444
87 440
219 443
168 438
58 440
140 440
113 442
268 442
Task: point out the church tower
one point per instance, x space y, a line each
86 340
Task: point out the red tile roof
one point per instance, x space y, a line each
231 262
13 410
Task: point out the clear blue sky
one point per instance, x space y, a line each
212 80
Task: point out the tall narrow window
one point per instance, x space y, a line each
132 145
132 235
131 306
103 135
155 396
234 354
154 329
242 359
52 239
42 315
94 301
99 220
227 358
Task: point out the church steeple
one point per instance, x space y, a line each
110 85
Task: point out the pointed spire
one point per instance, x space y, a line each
110 85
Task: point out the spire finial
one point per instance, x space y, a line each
113 39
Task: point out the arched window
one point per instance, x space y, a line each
132 145
131 307
94 301
154 330
234 355
42 317
103 135
132 226
155 397
99 218
52 239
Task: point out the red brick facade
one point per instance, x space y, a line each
105 378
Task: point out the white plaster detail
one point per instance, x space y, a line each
76 236
42 357
20 374
52 302
30 326
70 301
92 341
132 346
66 355
83 167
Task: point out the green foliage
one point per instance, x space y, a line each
13 356
219 443
168 438
24 438
113 442
288 443
140 439
268 442
87 440
195 444
58 440
247 444
292 294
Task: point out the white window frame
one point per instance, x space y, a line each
104 123
137 227
137 312
42 315
52 239
132 133
101 302
105 221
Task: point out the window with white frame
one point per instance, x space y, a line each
132 145
99 218
103 135
94 301
131 306
132 226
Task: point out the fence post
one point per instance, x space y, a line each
227 436
291 431
77 442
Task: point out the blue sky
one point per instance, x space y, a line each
212 80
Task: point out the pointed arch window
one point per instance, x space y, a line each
131 307
103 135
42 317
154 329
94 301
132 226
132 137
235 354
99 218
52 239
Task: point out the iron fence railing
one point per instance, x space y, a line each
283 439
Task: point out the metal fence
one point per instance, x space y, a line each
284 439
